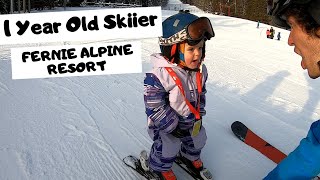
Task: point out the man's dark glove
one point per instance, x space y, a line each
179 133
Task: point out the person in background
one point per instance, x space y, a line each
303 18
268 33
278 36
258 24
272 33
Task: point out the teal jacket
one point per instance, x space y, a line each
304 162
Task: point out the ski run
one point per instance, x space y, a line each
82 127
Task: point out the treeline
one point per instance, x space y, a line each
4 7
19 4
49 4
247 9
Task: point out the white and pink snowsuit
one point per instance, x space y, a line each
166 109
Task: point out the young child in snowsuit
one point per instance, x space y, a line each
174 93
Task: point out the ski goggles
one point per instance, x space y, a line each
199 29
277 9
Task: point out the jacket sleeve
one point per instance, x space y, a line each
304 162
158 110
204 91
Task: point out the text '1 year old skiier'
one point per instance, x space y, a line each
303 18
174 94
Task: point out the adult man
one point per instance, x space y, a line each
303 18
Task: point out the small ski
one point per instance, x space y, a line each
140 165
204 174
253 140
134 163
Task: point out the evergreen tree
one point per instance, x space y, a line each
3 7
74 2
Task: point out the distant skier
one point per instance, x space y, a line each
272 31
174 94
258 24
303 18
278 36
268 33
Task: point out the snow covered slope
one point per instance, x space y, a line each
82 127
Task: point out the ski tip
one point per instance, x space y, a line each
235 123
238 125
239 129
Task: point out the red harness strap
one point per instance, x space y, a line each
176 79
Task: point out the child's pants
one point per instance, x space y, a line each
166 147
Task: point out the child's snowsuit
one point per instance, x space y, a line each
166 109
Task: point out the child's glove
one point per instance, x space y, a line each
179 133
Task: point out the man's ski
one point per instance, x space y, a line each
141 166
253 140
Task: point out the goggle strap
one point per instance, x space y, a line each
173 52
174 39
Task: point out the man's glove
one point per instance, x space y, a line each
179 133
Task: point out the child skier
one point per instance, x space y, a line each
174 94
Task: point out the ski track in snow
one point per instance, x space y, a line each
102 142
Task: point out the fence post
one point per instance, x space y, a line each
64 4
19 6
29 6
11 6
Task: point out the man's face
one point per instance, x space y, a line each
305 45
193 54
